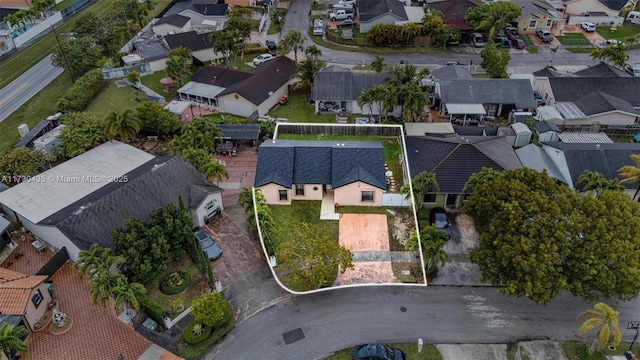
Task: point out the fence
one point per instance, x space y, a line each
120 72
38 29
394 200
597 20
336 38
56 262
338 129
613 130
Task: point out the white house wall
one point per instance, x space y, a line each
52 236
201 210
266 105
578 7
164 29
239 107
158 65
206 55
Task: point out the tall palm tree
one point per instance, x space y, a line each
294 41
378 64
96 259
606 319
11 339
414 101
421 184
313 52
406 74
101 286
123 124
213 170
306 73
432 242
127 293
366 99
178 68
592 181
631 174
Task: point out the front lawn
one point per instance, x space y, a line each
152 81
429 352
625 32
298 110
287 218
576 350
112 97
574 39
576 50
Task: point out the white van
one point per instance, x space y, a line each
634 17
318 27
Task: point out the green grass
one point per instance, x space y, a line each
361 210
111 97
429 352
33 111
573 39
625 32
532 49
576 50
576 350
152 81
363 67
298 110
526 39
373 50
287 218
621 139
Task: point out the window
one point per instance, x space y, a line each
300 189
283 195
37 298
430 198
533 23
367 196
549 22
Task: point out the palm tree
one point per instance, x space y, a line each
432 242
127 293
12 339
592 181
366 99
604 317
378 64
406 74
615 54
96 259
414 100
631 174
421 184
307 71
124 124
178 68
213 170
294 41
313 52
102 284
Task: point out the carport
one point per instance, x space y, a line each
232 134
464 110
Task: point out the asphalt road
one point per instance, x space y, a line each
19 91
339 319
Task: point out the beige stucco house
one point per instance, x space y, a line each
610 7
539 14
25 297
352 172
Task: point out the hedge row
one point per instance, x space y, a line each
78 97
154 310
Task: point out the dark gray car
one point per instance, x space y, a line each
208 245
438 217
377 352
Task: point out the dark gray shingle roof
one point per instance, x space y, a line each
454 159
597 102
151 49
210 9
614 4
190 39
154 185
571 89
601 70
240 131
344 85
544 126
488 91
175 20
267 77
371 9
451 72
286 162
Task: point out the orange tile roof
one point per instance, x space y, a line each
26 282
8 275
14 301
169 356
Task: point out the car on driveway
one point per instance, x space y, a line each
518 43
348 23
504 41
545 35
634 69
262 58
377 352
477 40
271 44
588 27
208 245
438 217
511 33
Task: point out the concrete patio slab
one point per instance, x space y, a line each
364 232
374 272
473 352
542 350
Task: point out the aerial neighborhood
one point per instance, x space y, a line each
245 179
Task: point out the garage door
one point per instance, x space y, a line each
238 108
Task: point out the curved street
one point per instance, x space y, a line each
342 318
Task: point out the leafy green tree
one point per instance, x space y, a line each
125 292
495 59
631 174
615 54
145 249
479 178
406 74
378 64
12 339
77 55
96 260
227 44
211 310
134 77
312 52
155 119
492 17
293 40
432 242
383 34
198 134
22 161
178 69
421 184
604 317
413 100
206 164
408 33
310 258
277 21
183 53
306 73
82 132
123 124
592 181
450 34
177 225
432 24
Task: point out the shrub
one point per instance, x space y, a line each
175 283
154 310
189 333
81 92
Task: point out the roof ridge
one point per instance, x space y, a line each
446 157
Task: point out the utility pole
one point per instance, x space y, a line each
64 57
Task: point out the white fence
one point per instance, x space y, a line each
143 69
394 200
36 30
597 20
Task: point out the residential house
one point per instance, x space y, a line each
451 72
547 131
352 172
172 24
609 7
371 12
588 101
206 16
453 12
154 52
79 202
490 97
343 87
23 299
567 161
539 14
453 160
240 93
201 45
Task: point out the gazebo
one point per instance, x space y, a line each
167 84
464 110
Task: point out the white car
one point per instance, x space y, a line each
345 3
588 27
262 58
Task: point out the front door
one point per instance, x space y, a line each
451 200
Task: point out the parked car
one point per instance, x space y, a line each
518 43
271 44
438 217
345 3
545 35
504 41
603 45
208 245
377 352
347 23
477 40
588 27
340 15
511 32
262 58
347 34
634 69
318 27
